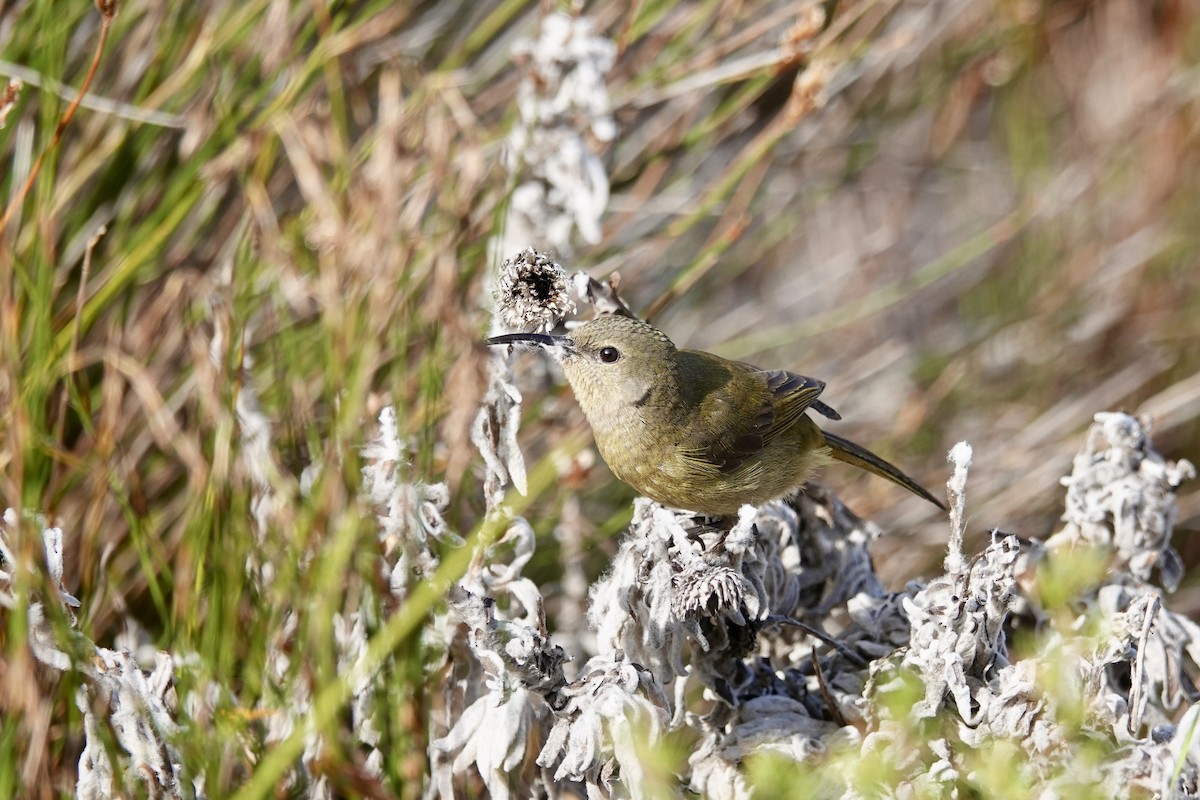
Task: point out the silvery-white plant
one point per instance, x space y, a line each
560 185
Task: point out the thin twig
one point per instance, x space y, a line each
827 695
817 633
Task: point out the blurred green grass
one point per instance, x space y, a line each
987 233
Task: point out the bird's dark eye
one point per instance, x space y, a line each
609 354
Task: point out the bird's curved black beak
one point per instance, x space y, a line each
543 339
535 338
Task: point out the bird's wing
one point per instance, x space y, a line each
791 396
732 435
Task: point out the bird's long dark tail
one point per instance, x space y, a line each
847 451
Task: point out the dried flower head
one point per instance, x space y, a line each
532 291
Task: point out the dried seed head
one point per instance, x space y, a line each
532 291
705 589
107 9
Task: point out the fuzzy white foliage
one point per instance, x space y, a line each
494 433
1120 497
411 528
491 736
596 730
561 99
141 717
52 544
95 779
958 630
602 297
409 513
351 636
956 489
666 580
520 667
1122 494
140 705
531 292
570 62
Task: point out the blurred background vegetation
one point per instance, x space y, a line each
974 220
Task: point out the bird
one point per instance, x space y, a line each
695 431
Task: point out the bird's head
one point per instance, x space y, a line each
614 363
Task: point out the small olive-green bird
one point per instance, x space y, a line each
693 430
